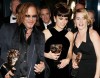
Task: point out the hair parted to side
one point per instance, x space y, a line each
86 16
61 9
22 12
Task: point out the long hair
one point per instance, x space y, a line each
22 11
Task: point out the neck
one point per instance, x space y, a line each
14 14
82 31
58 28
28 33
48 22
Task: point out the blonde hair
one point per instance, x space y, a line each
86 16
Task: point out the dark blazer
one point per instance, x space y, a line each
11 38
4 20
7 19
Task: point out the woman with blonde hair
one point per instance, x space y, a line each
87 43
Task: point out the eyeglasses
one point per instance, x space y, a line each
33 16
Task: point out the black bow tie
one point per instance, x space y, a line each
49 26
14 18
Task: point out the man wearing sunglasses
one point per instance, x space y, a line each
25 37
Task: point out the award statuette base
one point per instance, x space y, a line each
77 60
74 72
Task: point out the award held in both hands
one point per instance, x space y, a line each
77 60
56 48
12 58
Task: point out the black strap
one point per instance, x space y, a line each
75 36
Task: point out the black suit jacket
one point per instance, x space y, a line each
7 19
4 20
10 39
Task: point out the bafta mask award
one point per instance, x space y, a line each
56 48
12 58
77 60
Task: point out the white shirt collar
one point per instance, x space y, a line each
45 24
11 18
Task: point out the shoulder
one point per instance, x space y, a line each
47 34
70 36
38 35
93 35
8 27
37 31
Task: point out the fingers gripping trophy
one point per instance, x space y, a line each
12 58
77 60
56 48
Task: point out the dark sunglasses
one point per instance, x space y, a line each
33 16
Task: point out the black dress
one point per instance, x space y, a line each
87 65
58 38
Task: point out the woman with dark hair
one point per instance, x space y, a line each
25 37
58 43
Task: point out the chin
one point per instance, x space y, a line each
80 28
30 26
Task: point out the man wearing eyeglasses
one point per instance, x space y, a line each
25 37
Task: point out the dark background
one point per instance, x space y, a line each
90 4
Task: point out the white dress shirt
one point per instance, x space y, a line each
11 18
47 24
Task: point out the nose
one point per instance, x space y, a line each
31 18
81 20
65 21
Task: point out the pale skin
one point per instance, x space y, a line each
81 24
91 15
60 24
29 23
45 15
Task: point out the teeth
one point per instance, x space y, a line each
81 25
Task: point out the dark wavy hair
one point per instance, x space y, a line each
61 9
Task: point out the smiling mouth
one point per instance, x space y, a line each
80 24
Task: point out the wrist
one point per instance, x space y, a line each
68 60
